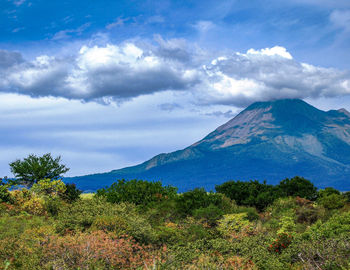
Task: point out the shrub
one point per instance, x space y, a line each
251 193
197 198
337 225
210 214
34 206
137 191
97 250
232 225
84 215
298 186
71 194
49 187
52 205
5 195
280 243
115 224
332 201
287 225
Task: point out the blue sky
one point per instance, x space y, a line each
108 84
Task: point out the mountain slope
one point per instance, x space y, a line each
266 141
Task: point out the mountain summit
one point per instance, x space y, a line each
266 141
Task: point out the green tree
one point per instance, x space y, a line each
298 186
138 192
32 169
250 193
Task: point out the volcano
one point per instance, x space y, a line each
266 141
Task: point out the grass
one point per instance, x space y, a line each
87 196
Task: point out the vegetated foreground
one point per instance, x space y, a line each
144 225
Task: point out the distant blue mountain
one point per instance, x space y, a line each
266 141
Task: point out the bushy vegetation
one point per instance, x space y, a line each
145 225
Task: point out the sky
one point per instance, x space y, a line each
109 84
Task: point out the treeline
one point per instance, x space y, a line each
251 193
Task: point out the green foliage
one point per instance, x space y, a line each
49 187
33 168
327 191
298 186
280 243
347 196
5 195
210 214
333 201
232 224
287 225
43 229
251 193
331 198
137 191
188 202
71 194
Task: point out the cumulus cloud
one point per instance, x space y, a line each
116 72
267 74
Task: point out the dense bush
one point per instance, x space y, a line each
250 193
188 202
298 186
71 194
49 187
137 191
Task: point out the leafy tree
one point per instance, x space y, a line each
32 169
71 193
138 192
298 186
197 198
250 193
327 191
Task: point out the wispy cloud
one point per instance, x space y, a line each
341 19
18 2
67 33
118 22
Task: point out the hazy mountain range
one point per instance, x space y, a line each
266 141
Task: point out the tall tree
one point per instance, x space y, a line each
33 168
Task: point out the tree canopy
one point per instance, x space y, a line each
34 168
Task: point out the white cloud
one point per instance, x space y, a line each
277 50
266 74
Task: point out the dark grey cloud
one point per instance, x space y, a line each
9 59
119 72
